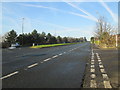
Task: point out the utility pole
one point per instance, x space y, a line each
22 29
116 41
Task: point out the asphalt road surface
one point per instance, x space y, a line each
72 66
102 69
55 67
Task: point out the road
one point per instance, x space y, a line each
102 69
60 67
56 67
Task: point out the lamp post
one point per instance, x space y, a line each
22 29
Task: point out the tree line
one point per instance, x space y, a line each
28 39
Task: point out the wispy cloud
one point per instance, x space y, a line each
85 12
114 16
90 17
93 19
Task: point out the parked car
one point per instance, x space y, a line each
13 46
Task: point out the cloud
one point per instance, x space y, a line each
114 16
90 17
85 12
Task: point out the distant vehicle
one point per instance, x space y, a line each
13 46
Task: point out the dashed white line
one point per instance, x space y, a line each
9 75
55 56
92 62
102 70
99 60
47 59
93 84
42 62
100 63
101 66
32 65
92 66
105 76
60 54
107 84
92 75
64 52
92 70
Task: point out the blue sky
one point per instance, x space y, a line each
74 19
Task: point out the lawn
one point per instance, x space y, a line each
52 45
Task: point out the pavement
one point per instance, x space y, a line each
72 66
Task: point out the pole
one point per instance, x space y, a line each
22 29
116 41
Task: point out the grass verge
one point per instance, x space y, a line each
52 45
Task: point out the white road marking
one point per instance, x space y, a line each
32 65
107 84
105 76
64 52
60 54
92 70
42 62
101 66
93 84
92 62
55 56
92 66
92 75
47 59
9 75
102 70
99 60
100 63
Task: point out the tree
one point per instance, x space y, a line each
65 40
35 36
11 37
104 32
59 39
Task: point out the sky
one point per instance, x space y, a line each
71 19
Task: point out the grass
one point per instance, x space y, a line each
52 45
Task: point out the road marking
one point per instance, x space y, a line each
92 70
101 66
60 54
92 75
92 62
99 60
105 76
32 65
64 52
102 70
47 59
107 84
55 56
93 84
42 62
100 63
9 75
92 66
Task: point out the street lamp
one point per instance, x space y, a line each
22 29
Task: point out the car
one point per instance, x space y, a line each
13 46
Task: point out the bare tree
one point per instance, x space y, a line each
104 33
